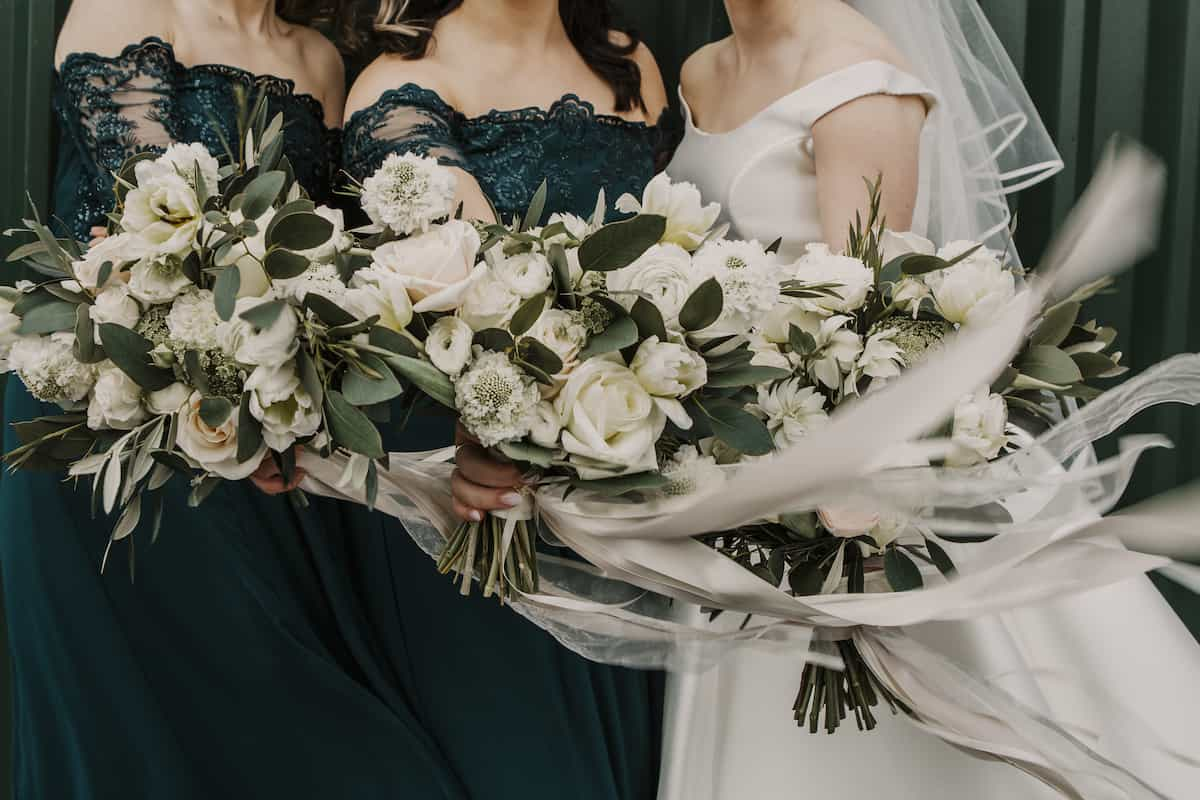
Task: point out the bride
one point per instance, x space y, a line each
783 120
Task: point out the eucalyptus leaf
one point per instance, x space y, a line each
51 317
201 491
1050 365
388 339
802 342
299 231
561 268
249 432
260 195
215 411
85 331
738 428
537 207
264 315
327 311
309 378
749 375
703 307
495 339
940 558
527 315
805 579
283 264
196 375
225 292
618 245
539 355
621 333
649 319
902 573
622 484
362 390
172 461
426 377
351 428
130 352
1056 325
527 452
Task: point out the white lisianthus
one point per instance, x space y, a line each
663 273
525 274
158 279
339 241
791 409
184 159
193 321
689 221
168 400
974 290
378 292
162 213
437 266
669 369
214 448
319 279
690 472
837 351
247 344
448 345
881 359
10 323
115 402
409 193
488 302
48 368
114 250
749 281
980 429
280 402
610 422
547 426
893 244
852 277
115 305
496 401
562 333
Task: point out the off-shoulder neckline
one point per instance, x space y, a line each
274 83
570 99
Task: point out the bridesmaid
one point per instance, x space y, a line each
231 667
517 715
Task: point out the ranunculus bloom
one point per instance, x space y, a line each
663 273
448 345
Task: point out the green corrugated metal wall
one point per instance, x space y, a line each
1094 67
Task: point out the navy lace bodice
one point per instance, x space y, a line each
510 153
111 107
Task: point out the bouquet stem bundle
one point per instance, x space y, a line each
499 552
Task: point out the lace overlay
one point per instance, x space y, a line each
111 107
510 153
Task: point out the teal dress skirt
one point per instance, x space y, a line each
516 714
238 660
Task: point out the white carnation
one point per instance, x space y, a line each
448 345
10 323
184 159
852 280
280 402
749 281
48 368
193 321
115 305
792 409
409 193
115 403
689 221
496 401
319 279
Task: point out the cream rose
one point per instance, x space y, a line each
689 221
448 345
214 448
669 369
116 402
610 422
437 267
281 403
488 302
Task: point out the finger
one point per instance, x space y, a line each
467 514
267 469
481 467
98 232
463 436
271 486
297 478
483 498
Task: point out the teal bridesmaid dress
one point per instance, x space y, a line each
518 716
237 660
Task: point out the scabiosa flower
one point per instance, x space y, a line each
48 368
409 193
689 472
495 399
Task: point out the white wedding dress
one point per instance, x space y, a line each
1115 666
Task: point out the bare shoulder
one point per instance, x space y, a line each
840 38
390 71
701 66
109 26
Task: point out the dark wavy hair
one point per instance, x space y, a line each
406 28
338 18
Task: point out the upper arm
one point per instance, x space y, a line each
872 137
108 26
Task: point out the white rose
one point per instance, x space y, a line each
853 278
158 279
214 449
488 302
546 427
525 274
409 193
280 402
663 273
980 429
973 291
162 213
610 422
448 345
689 221
116 306
669 369
437 267
339 241
10 323
114 250
193 321
184 159
894 244
48 368
377 292
257 346
116 402
168 400
791 409
562 333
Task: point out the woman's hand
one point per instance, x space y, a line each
481 481
98 233
269 478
